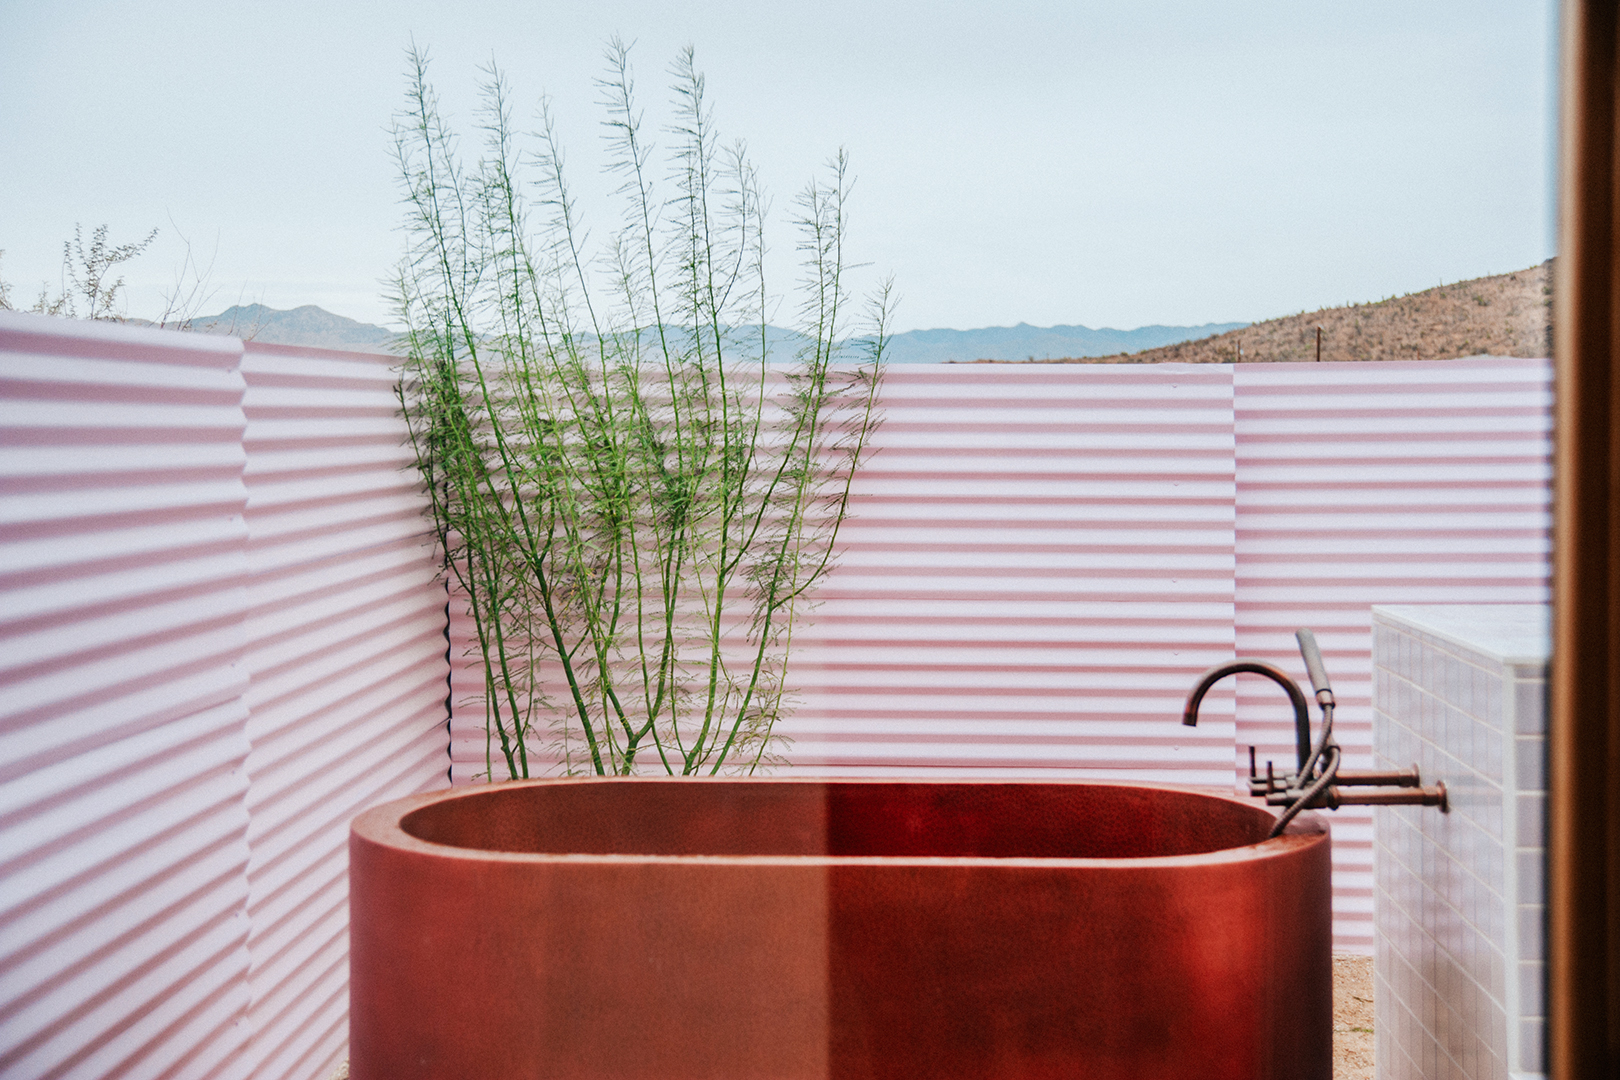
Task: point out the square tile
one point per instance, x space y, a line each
1531 811
1491 765
1532 979
1479 695
1530 866
1532 932
1530 765
1448 887
1532 1045
1529 707
1495 1034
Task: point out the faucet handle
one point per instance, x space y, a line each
1313 664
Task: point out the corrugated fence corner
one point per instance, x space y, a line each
223 635
224 631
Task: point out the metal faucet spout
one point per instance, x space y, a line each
1302 715
1317 782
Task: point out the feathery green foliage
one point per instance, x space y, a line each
634 503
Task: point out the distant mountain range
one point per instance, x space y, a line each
1503 315
310 325
307 325
1026 342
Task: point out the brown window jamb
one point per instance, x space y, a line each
1583 735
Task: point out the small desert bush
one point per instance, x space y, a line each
634 498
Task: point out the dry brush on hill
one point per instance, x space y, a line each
1505 315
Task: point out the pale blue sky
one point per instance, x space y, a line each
1115 164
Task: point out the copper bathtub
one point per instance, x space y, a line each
666 929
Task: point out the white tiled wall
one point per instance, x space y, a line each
1459 690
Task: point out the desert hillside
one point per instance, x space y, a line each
1505 315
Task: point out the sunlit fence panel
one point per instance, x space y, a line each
123 831
1038 566
1038 563
223 636
345 654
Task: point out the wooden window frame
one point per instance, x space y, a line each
1584 726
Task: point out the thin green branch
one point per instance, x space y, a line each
634 502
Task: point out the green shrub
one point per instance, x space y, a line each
635 499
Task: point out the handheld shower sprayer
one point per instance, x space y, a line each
1317 781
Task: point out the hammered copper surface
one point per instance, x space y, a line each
802 928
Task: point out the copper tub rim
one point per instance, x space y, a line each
384 825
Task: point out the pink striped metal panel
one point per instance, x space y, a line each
123 835
346 660
223 636
1390 483
1043 559
1039 566
469 762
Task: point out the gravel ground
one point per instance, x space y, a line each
1352 1018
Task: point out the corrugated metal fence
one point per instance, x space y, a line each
123 830
1044 558
347 675
223 633
222 636
1040 566
1410 482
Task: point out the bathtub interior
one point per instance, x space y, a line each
838 819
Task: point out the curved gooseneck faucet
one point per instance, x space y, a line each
1319 764
1302 715
1318 782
